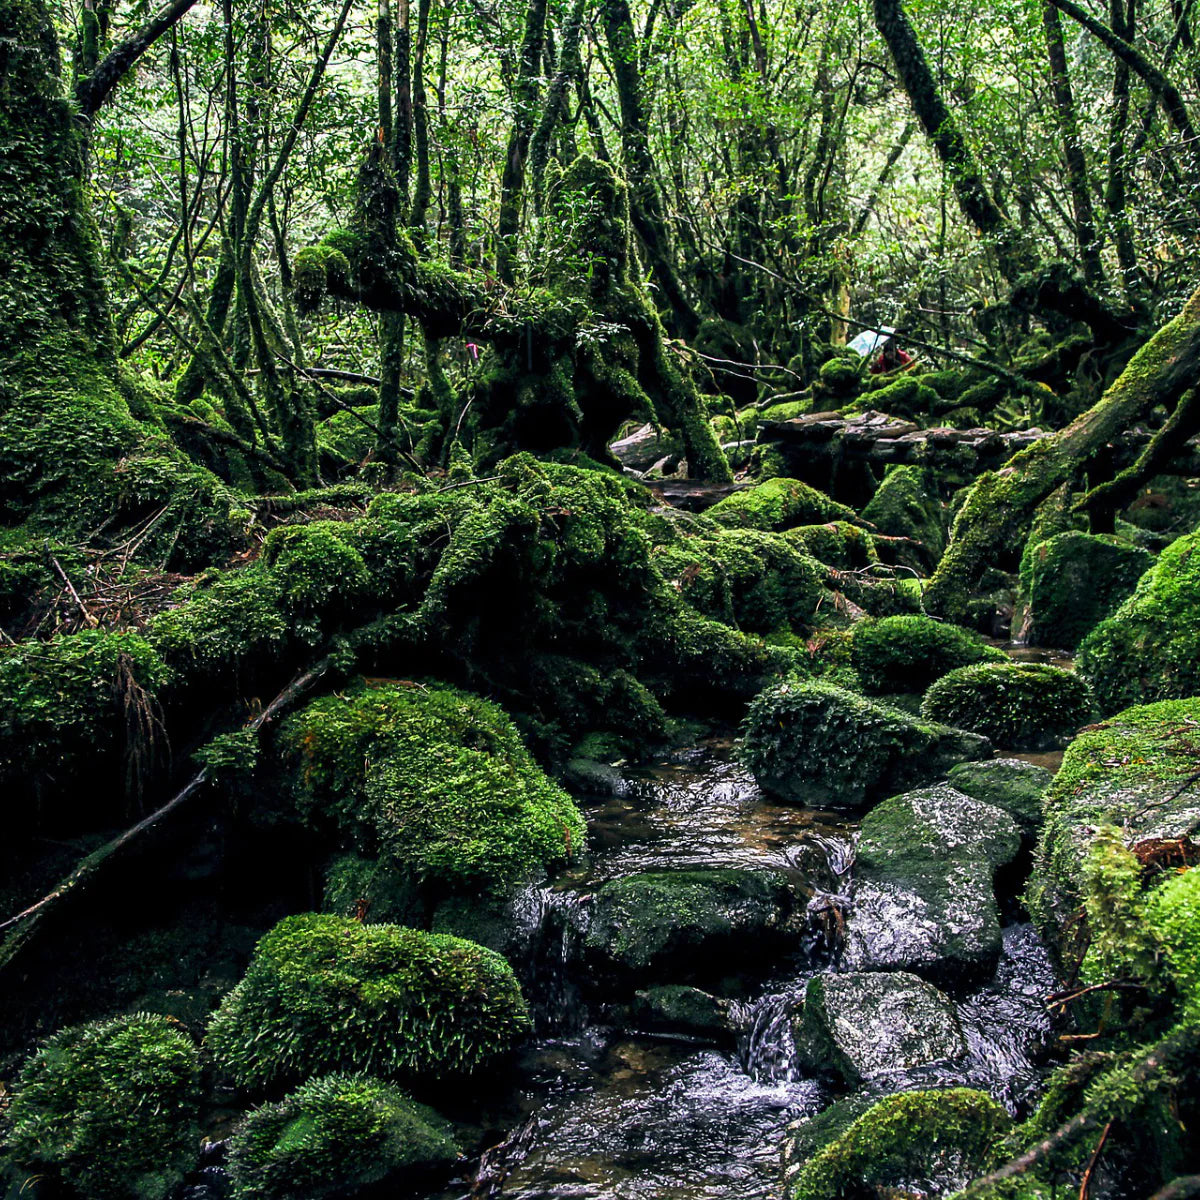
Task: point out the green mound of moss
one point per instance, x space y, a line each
109 1109
907 653
334 1136
778 504
1025 706
325 993
934 1135
434 781
904 506
1149 649
1074 580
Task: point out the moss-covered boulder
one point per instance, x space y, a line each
924 899
907 653
817 744
1149 649
861 1025
839 379
109 1109
1173 912
1073 581
1010 784
324 993
1025 706
1128 773
904 506
943 1138
693 923
778 504
334 1136
435 782
838 544
677 1008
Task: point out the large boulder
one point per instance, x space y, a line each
859 1148
1024 706
1149 649
325 993
687 923
1131 773
817 744
1073 581
904 506
924 898
1011 784
778 504
861 1025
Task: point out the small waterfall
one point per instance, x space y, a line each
548 928
766 1048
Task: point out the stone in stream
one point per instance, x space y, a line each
675 1008
1012 784
826 747
861 1025
667 924
923 898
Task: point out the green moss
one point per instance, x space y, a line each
109 1108
324 993
926 1135
839 378
1127 773
1149 649
334 1136
838 544
904 506
64 714
1172 913
1018 705
434 781
822 745
1075 580
778 504
317 570
907 653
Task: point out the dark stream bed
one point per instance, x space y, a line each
602 1109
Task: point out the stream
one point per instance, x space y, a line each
604 1109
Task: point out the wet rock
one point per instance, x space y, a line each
1011 784
678 1009
696 922
588 776
924 900
855 1147
862 1025
643 448
826 747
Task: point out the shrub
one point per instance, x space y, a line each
1026 706
436 781
1149 649
109 1108
907 653
333 1136
324 993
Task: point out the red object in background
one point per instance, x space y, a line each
890 360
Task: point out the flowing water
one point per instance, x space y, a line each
601 1110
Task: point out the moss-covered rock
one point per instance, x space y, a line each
334 1136
1149 649
677 1008
109 1109
437 783
80 704
1010 784
838 544
778 504
1173 914
924 899
860 1025
840 379
324 993
907 653
940 1137
694 922
1026 706
1127 773
1074 581
904 506
815 743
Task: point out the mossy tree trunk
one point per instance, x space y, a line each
1000 505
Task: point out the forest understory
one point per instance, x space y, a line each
599 600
